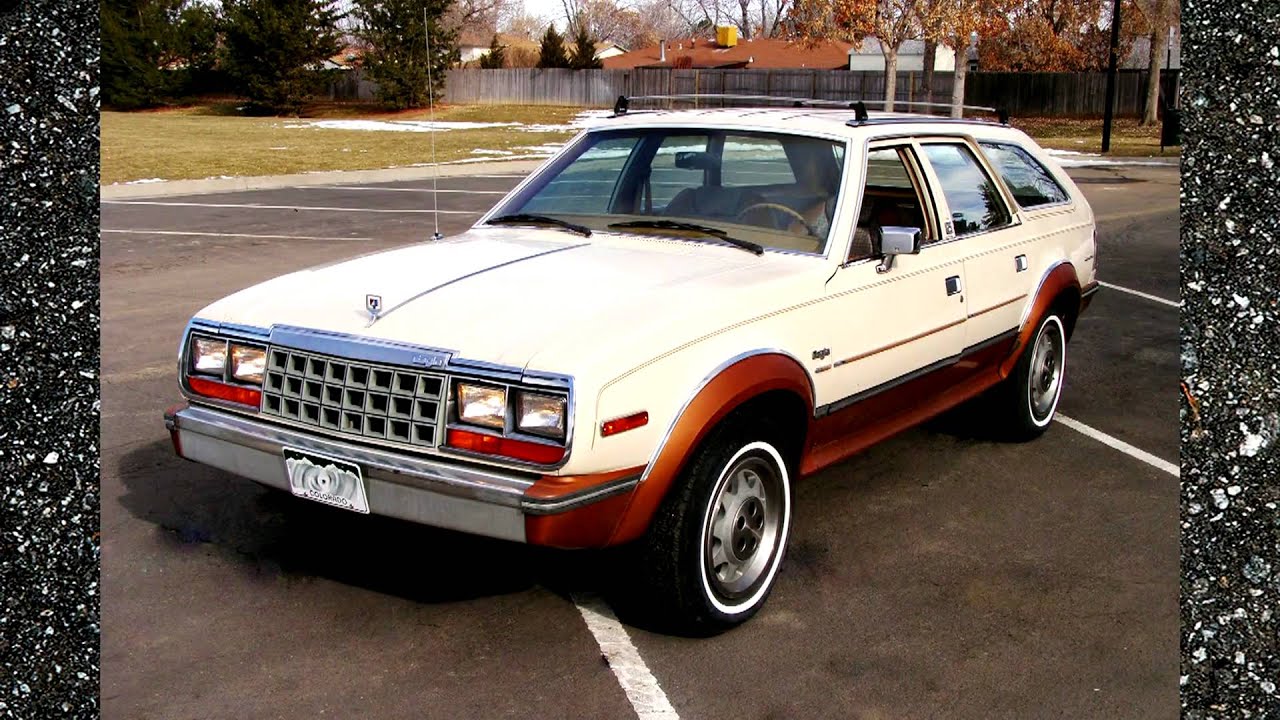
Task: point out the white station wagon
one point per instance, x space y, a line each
650 338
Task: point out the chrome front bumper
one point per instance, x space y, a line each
466 498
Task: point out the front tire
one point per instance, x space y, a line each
713 551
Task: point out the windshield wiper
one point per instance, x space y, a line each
519 218
691 227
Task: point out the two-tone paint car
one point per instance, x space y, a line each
655 334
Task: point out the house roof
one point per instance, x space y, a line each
755 53
349 56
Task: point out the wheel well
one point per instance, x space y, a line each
1067 306
787 416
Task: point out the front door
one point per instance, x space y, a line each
888 325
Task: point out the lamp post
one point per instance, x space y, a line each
1111 76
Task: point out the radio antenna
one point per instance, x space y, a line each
431 113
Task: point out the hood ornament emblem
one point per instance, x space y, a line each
373 303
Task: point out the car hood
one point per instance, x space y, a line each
510 296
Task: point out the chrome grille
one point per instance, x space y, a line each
354 398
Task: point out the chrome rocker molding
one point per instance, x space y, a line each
471 499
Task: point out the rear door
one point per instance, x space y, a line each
984 229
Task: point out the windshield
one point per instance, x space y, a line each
774 190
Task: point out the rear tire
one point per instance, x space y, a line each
1028 398
712 553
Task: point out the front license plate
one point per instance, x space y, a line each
325 479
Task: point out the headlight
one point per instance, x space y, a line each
208 356
482 405
248 363
540 414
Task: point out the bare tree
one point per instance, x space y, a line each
1160 16
482 16
753 18
891 22
955 24
524 25
894 22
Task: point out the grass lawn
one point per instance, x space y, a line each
213 139
1128 139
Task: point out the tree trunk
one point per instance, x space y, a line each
890 75
926 83
746 19
1159 44
957 85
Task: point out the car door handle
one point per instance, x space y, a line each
953 285
1020 262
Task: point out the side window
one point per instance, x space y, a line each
755 161
666 176
1028 180
974 199
891 197
587 185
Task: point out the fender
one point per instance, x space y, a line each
726 388
1059 278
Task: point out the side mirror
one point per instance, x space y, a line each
894 241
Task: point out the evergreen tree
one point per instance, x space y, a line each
552 53
195 43
397 57
138 47
495 58
275 49
583 55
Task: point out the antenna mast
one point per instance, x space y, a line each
431 113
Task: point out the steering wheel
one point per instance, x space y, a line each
780 207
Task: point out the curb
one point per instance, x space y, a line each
268 182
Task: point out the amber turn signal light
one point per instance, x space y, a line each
623 424
223 391
505 447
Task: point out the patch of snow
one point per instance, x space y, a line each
1075 158
547 148
397 125
484 159
491 152
144 181
584 119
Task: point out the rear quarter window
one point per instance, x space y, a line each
1030 182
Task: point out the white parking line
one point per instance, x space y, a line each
399 189
641 687
1140 294
287 207
1120 445
184 233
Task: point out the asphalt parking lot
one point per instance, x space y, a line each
936 575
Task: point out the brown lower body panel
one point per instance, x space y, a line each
856 423
586 526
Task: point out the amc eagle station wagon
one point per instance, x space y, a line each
655 334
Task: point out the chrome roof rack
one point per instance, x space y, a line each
623 105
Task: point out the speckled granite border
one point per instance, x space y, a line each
49 314
1230 413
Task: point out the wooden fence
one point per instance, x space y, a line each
1024 94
